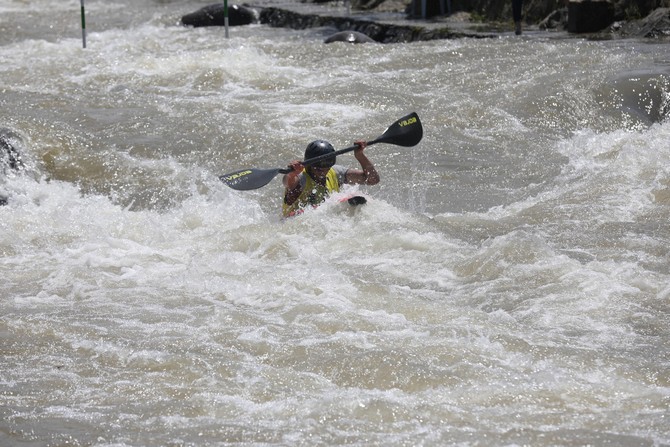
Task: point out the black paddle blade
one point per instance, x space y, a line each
357 200
248 179
407 131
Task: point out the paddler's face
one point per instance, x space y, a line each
317 173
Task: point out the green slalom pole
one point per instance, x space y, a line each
225 16
83 25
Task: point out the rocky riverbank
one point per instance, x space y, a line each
601 18
411 20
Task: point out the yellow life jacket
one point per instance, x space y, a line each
312 194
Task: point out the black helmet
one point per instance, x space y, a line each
317 148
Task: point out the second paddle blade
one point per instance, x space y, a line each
248 179
407 131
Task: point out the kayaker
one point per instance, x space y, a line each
312 184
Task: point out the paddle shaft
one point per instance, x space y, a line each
311 161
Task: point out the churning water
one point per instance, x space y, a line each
508 283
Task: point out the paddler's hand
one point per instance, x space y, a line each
290 180
361 146
296 167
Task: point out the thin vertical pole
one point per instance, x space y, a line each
225 16
83 25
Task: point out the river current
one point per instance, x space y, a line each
508 282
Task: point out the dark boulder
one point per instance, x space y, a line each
655 25
10 156
213 15
556 20
350 37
